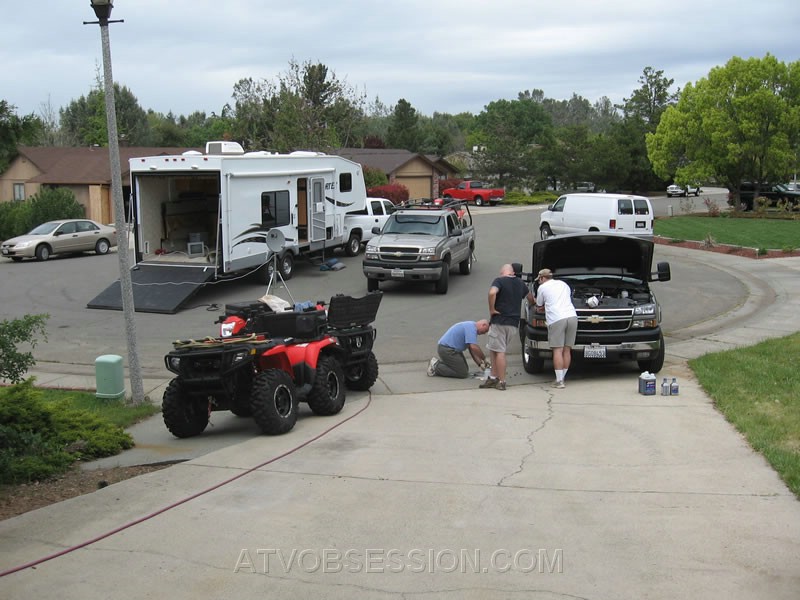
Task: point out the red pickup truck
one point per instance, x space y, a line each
475 191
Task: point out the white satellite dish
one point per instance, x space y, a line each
276 241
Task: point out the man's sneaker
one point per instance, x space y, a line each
501 385
558 384
489 383
432 366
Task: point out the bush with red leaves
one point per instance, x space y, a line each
397 193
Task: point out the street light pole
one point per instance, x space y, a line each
102 9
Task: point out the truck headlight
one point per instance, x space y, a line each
645 309
427 254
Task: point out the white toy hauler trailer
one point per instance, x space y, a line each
200 217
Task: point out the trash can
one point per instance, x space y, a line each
109 376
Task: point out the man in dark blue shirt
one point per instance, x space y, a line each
505 297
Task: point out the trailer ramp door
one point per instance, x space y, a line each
157 288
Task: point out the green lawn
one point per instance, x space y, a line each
774 234
758 390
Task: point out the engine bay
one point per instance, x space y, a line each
608 293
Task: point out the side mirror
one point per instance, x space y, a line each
456 232
376 230
664 273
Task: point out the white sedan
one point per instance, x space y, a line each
689 190
60 237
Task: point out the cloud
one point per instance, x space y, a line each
444 56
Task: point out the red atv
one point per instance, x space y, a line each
265 362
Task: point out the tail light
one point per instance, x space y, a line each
612 224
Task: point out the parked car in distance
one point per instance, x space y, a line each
689 190
60 237
475 191
585 186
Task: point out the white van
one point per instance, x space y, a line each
606 213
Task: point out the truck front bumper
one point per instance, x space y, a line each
428 271
639 345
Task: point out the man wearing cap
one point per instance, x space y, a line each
562 321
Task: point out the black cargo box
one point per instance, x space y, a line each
345 311
263 320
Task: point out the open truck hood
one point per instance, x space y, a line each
600 253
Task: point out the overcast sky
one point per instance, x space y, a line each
440 55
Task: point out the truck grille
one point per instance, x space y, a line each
399 254
604 320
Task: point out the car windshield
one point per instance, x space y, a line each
43 229
415 224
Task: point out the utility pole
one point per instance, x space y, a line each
102 9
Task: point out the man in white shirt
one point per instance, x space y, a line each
562 321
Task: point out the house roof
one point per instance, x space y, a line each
387 160
61 165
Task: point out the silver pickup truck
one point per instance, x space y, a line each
421 242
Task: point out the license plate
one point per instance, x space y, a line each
398 273
641 224
594 352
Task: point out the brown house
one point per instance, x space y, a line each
417 172
85 171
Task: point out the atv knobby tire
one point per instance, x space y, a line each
363 375
183 415
327 394
274 402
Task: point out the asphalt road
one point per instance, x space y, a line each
410 321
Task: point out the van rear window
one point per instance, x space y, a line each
641 207
625 206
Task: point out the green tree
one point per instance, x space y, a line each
642 113
165 130
15 131
84 119
509 136
199 128
740 123
404 127
308 107
651 99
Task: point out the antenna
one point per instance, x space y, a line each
276 242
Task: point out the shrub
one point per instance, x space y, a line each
13 363
762 203
14 217
54 203
395 192
762 252
374 177
29 449
709 241
39 439
713 209
88 435
687 205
